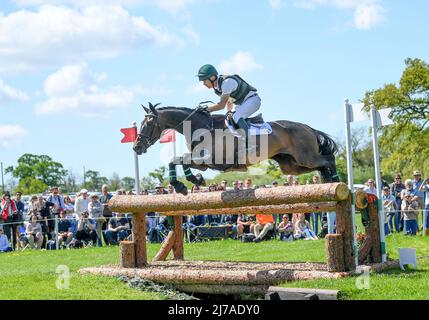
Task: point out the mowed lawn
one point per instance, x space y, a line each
32 274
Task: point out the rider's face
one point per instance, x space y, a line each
208 84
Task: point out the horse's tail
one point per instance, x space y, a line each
327 145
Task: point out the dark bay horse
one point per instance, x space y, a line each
296 147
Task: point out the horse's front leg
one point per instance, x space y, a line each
179 187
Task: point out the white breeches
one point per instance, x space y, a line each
248 107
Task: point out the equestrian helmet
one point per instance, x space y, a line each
206 71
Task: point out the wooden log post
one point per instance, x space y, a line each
232 199
345 228
335 252
127 254
139 238
178 243
373 230
166 247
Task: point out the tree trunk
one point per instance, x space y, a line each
345 228
269 209
178 242
335 252
127 254
231 199
139 238
166 247
374 231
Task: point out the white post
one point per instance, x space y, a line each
136 166
56 233
348 119
378 182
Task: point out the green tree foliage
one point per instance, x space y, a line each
159 175
114 182
93 180
30 185
38 167
128 183
404 145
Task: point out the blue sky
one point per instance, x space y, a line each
72 73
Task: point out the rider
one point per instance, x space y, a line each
244 96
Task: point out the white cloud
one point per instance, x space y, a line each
367 13
11 134
191 34
9 94
241 62
75 89
53 36
168 5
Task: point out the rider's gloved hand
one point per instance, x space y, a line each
203 109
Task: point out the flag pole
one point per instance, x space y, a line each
378 182
349 118
136 164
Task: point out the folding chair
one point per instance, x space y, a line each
23 241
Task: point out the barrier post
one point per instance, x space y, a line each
139 238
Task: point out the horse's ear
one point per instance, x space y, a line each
153 108
146 109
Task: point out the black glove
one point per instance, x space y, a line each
203 109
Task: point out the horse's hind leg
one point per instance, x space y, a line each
329 172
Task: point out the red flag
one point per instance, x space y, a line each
169 136
130 134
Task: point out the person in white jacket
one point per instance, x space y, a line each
82 203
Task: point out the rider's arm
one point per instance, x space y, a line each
221 105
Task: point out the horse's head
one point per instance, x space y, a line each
150 130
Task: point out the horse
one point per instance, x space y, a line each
296 147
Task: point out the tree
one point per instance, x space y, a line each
114 182
128 183
404 146
39 167
30 185
159 174
93 180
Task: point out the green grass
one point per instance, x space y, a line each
32 274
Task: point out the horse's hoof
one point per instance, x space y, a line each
200 181
181 188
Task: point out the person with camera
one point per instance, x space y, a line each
86 229
34 233
410 208
118 229
425 188
396 189
65 234
95 209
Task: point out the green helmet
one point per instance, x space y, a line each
206 71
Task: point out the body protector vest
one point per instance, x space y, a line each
240 93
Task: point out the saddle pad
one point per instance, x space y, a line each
254 130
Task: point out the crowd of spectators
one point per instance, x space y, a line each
58 221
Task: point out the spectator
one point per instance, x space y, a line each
118 229
240 185
82 203
7 210
417 183
170 189
275 184
224 184
17 219
95 210
235 185
213 218
42 209
285 229
289 180
104 199
244 225
264 223
316 216
34 233
65 234
370 187
425 187
68 207
410 211
4 242
57 200
86 229
302 229
389 204
395 189
248 183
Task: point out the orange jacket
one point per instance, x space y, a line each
264 218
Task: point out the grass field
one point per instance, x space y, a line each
32 274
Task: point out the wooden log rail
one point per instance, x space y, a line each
298 199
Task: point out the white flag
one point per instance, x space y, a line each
383 117
358 114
